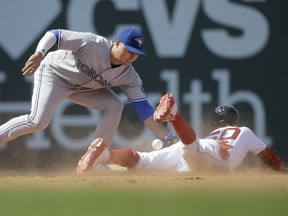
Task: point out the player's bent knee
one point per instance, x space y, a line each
39 125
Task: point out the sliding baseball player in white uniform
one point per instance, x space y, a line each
83 69
224 149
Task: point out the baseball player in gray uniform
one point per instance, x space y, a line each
83 69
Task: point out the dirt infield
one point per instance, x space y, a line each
117 177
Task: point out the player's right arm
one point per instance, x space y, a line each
272 160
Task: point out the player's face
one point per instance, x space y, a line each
121 55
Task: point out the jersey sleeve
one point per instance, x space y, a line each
255 144
245 142
47 41
73 40
132 85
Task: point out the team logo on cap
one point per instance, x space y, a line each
140 41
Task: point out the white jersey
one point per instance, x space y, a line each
83 60
205 153
242 139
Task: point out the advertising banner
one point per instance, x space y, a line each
206 52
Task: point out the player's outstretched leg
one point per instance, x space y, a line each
123 157
167 111
95 155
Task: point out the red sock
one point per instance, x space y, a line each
185 132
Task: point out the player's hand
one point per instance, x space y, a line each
283 168
224 147
32 64
169 140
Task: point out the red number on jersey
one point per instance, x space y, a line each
227 133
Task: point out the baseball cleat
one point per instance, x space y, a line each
166 110
95 155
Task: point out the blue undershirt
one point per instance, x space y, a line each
143 109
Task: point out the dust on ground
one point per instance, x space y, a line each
117 177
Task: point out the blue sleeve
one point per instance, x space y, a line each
143 109
56 32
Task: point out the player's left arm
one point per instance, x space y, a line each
145 111
45 43
132 86
272 160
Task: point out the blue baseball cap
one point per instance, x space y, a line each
133 40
